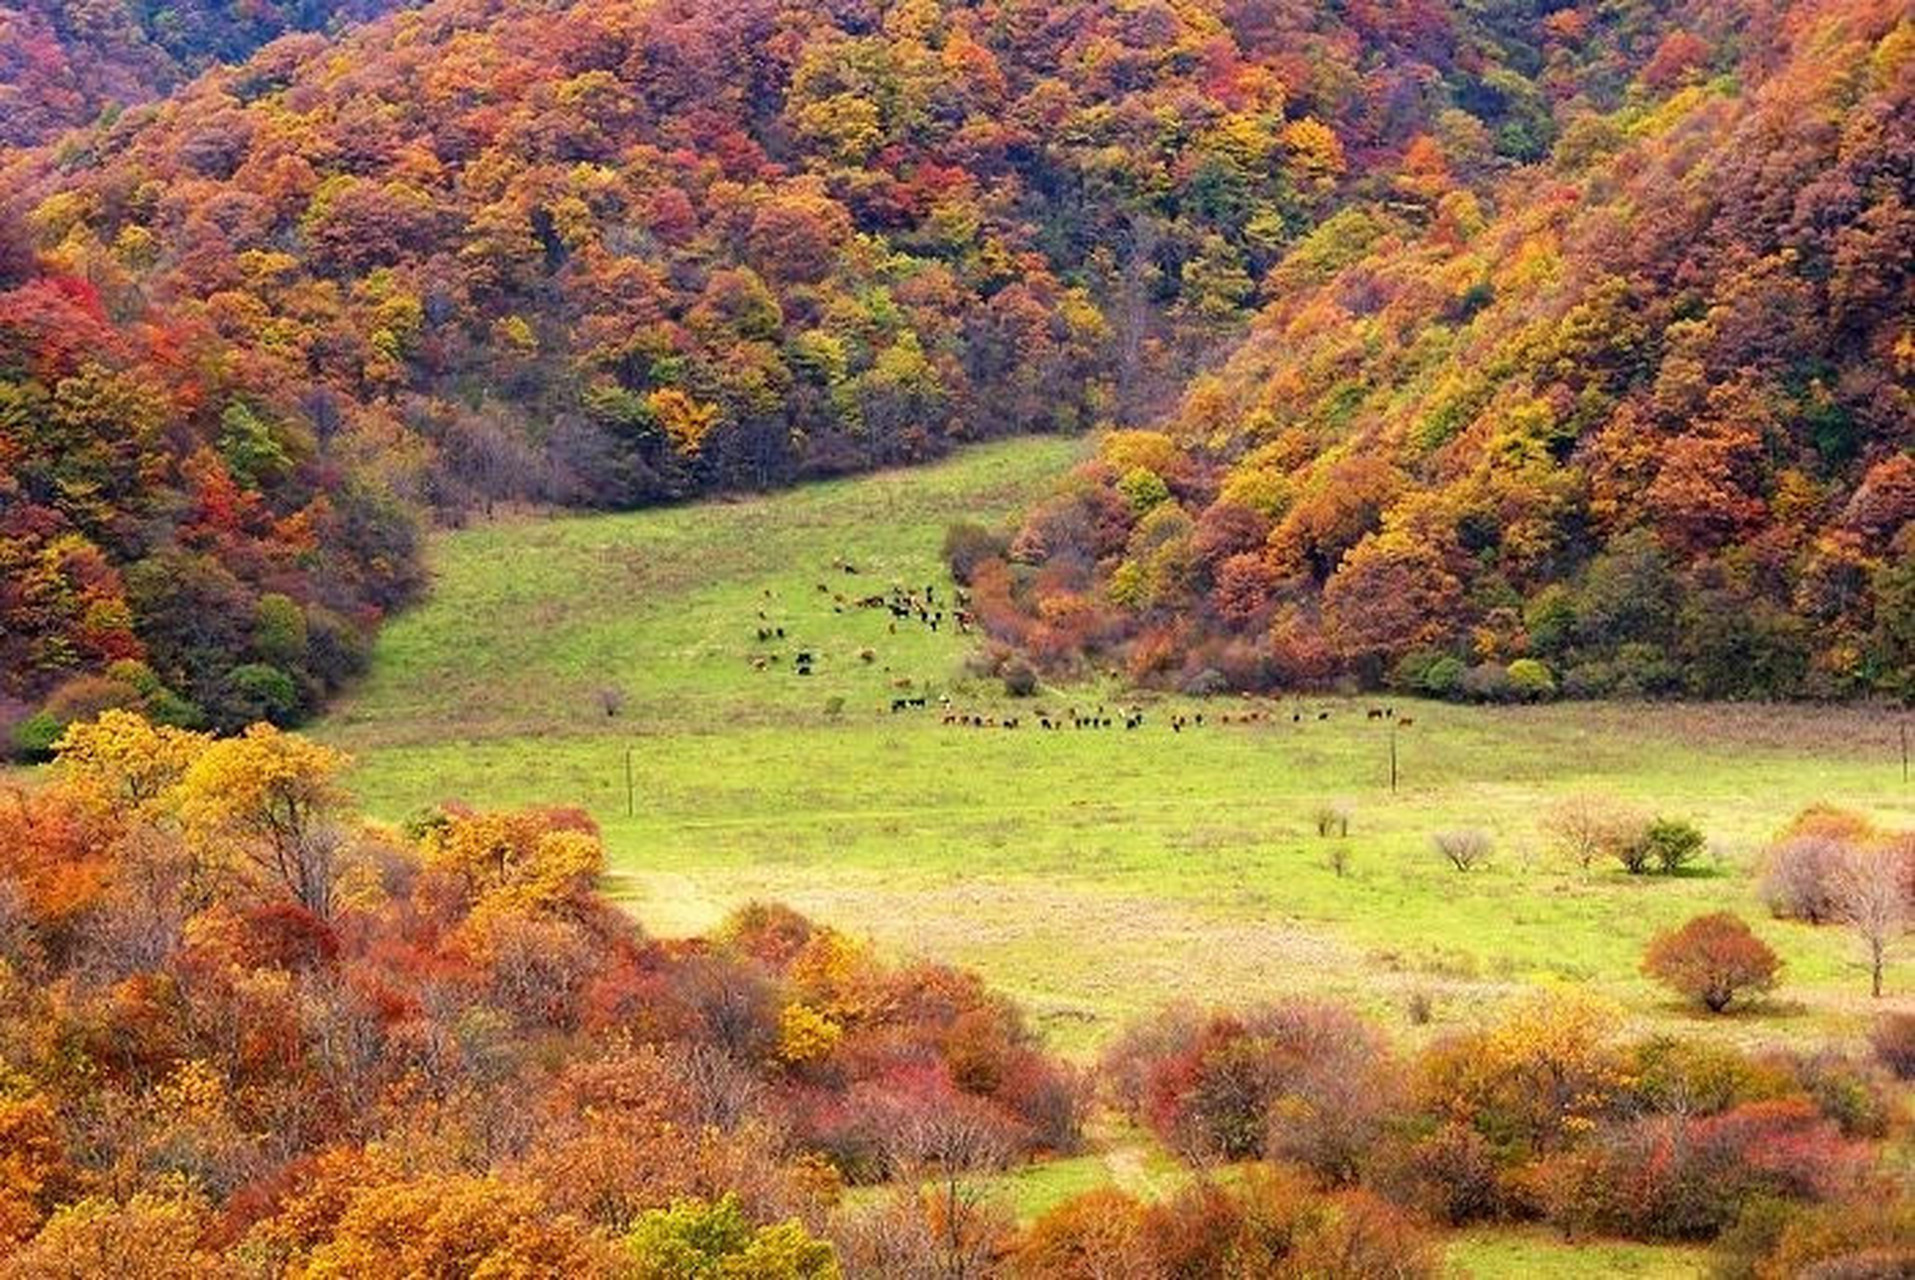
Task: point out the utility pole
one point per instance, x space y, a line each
1393 756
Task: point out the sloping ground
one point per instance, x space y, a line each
1093 873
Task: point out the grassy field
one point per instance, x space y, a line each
1093 874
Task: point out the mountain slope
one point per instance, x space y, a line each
1644 419
630 252
63 64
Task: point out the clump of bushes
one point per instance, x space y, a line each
1667 845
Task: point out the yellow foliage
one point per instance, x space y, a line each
685 421
515 862
834 975
806 1035
263 785
125 763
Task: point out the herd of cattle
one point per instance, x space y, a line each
926 609
1132 717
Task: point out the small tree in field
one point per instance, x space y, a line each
1463 849
1712 959
1871 897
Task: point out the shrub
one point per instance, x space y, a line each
1712 959
1673 843
1307 1082
1800 878
1333 819
1530 680
1894 1042
1448 1175
967 545
1675 1178
1443 678
1463 849
698 1238
257 691
1486 682
1020 681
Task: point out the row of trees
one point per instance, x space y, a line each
1640 427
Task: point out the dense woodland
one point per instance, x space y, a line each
251 334
65 63
245 1033
1636 424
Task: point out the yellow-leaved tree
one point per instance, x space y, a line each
260 801
125 763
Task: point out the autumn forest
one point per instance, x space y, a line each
498 495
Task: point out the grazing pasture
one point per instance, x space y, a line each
1093 872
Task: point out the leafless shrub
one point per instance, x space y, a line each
1420 1007
1589 827
611 699
1464 849
1333 819
1799 881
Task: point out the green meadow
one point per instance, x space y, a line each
1094 875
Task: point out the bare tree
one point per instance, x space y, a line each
1588 827
937 1146
1464 849
1871 897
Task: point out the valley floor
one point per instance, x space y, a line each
1094 874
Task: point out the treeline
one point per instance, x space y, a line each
1640 427
621 253
244 1033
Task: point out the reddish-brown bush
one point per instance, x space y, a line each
1712 959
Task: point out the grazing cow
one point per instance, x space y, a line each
1375 713
1404 722
1200 719
1043 722
897 705
1296 717
759 664
804 656
823 590
1323 715
867 655
779 632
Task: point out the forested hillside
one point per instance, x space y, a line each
64 63
623 253
1634 420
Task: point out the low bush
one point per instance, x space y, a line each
1713 959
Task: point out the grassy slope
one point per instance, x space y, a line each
1092 874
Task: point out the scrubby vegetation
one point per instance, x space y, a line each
256 1032
246 1032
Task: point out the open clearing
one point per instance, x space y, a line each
1092 874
